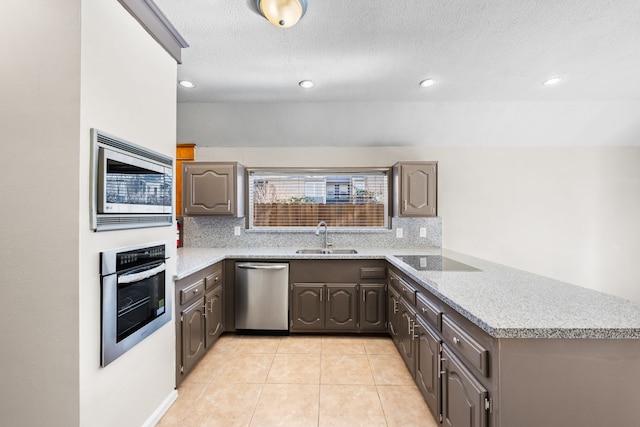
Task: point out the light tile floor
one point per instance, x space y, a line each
299 381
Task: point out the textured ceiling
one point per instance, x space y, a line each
376 52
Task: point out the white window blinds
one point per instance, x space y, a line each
303 198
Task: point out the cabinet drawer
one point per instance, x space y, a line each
192 292
213 279
466 345
373 272
407 291
404 289
431 312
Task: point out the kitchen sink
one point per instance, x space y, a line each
327 251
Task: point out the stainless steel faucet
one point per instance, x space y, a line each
326 232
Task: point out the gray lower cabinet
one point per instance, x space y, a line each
445 358
343 307
193 339
428 364
406 336
213 313
393 313
464 398
372 311
307 306
199 316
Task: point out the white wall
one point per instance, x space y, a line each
128 90
39 132
70 66
570 213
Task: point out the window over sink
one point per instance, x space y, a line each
300 198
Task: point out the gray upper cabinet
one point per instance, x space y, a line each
415 189
213 188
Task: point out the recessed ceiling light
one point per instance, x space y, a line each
427 82
552 81
307 84
187 84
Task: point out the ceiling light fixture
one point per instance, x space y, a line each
187 84
552 81
427 83
307 84
282 13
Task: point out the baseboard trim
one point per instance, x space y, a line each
161 410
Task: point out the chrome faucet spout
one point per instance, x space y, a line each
326 232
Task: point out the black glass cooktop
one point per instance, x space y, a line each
434 263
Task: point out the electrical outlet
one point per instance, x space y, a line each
399 233
423 232
236 230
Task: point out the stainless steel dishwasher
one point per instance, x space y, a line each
262 297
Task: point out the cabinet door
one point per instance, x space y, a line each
373 299
213 306
393 312
341 307
406 335
463 397
428 364
418 189
208 189
307 306
192 319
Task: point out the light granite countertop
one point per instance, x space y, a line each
502 301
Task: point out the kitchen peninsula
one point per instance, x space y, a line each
513 348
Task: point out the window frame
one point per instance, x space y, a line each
327 171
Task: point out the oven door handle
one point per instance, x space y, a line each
136 277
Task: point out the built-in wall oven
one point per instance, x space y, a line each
136 300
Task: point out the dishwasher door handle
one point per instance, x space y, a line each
262 266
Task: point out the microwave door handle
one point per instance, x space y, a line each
136 277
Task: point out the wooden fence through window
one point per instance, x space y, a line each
309 214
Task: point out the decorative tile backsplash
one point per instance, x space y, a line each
218 232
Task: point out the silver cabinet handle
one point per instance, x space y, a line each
321 292
456 340
405 204
229 205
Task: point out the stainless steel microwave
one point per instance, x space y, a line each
132 186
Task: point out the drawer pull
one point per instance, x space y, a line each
423 310
195 291
456 340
